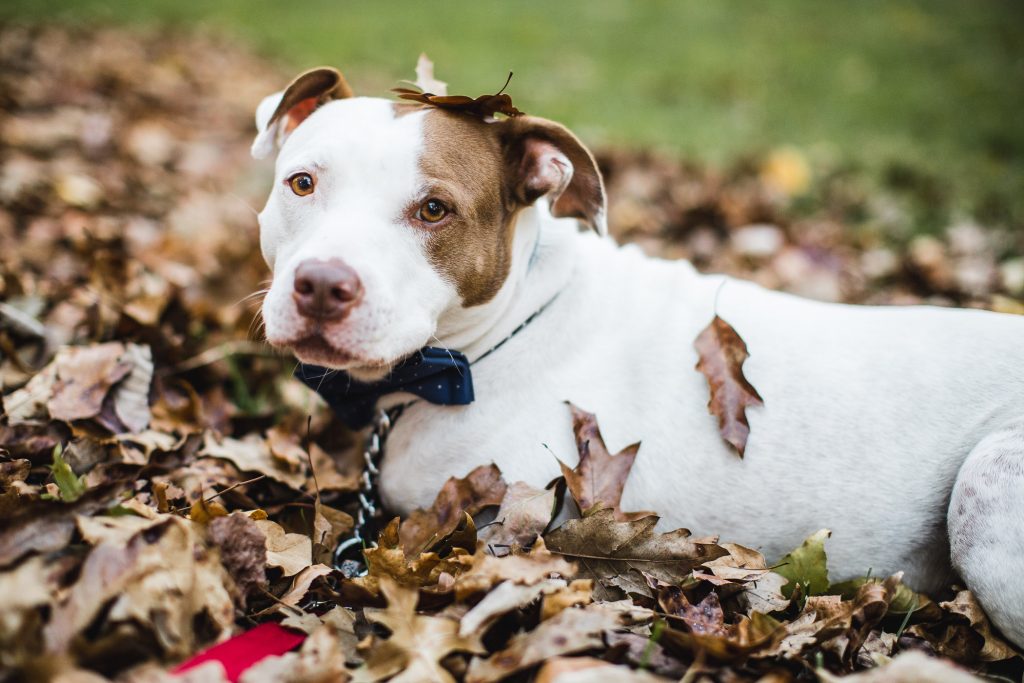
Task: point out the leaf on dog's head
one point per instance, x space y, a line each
598 479
483 107
722 353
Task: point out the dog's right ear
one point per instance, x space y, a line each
279 114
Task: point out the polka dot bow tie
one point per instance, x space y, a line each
440 376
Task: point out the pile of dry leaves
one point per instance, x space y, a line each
164 484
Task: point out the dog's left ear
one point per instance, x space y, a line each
544 158
279 114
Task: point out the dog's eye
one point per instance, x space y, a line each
301 184
432 211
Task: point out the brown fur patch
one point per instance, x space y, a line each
464 167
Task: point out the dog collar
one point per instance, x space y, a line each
437 375
440 376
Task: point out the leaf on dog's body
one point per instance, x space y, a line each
480 488
524 514
609 550
722 353
599 477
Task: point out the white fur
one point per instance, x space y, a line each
870 415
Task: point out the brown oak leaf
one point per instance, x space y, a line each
722 353
425 527
417 643
524 513
484 107
599 477
614 553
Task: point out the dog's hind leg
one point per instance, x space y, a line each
986 527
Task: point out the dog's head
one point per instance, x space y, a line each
384 217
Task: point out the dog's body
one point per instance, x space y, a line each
901 429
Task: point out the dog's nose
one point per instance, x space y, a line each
326 290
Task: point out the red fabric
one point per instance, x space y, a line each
239 653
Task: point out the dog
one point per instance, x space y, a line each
395 226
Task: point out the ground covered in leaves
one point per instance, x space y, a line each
164 484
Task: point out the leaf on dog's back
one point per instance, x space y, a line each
722 353
598 479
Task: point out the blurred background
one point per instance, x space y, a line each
926 95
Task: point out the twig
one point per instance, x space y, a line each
221 493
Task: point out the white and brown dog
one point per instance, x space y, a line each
391 227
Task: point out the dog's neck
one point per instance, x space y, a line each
542 263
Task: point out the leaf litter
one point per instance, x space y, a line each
157 488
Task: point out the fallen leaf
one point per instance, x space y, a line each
995 649
599 477
503 598
424 527
807 566
739 641
722 353
389 560
706 617
252 454
291 552
907 667
417 643
614 553
521 568
572 630
590 670
329 525
524 514
85 375
579 593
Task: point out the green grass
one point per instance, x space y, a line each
936 85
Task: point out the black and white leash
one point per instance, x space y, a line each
348 556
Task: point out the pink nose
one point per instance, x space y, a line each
326 290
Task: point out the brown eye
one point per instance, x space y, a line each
432 211
301 184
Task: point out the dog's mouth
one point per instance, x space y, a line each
316 350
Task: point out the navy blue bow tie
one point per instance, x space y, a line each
440 376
